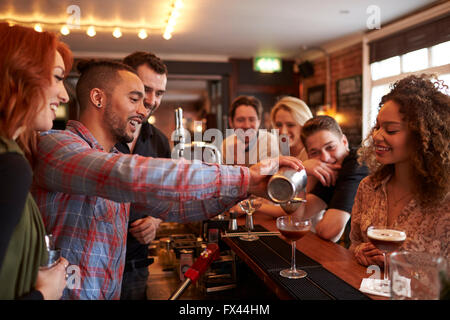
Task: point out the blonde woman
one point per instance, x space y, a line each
289 115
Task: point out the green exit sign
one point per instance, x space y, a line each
267 65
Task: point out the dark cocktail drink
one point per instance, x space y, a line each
293 235
292 229
387 240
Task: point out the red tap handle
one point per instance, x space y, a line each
210 254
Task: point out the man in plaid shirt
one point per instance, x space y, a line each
84 186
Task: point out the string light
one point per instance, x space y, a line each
64 30
38 27
142 34
91 32
117 33
171 22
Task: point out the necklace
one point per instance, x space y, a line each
398 201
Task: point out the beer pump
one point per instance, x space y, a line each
183 149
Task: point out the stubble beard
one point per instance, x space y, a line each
117 127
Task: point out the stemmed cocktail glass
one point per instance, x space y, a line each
387 240
293 229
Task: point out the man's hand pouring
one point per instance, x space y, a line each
261 172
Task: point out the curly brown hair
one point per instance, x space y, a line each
426 111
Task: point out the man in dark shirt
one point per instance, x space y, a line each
324 140
150 142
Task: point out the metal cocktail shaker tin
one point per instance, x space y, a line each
232 224
284 185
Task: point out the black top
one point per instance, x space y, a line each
342 194
151 142
15 181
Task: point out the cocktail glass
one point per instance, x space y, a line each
387 240
293 229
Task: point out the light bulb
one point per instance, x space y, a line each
91 32
64 30
38 27
142 34
167 35
117 33
178 4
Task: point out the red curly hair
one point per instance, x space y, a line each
26 66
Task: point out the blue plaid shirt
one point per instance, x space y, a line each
84 194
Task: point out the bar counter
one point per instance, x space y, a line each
331 256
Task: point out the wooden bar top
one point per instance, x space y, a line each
333 257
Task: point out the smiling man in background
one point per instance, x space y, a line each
324 140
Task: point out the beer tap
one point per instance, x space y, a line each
180 136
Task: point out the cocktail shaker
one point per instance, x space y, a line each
284 185
288 188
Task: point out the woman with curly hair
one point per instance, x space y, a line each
408 154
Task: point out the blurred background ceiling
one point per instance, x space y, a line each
208 31
212 30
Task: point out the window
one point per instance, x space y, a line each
415 60
435 60
385 68
377 93
440 54
415 45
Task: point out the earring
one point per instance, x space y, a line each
99 105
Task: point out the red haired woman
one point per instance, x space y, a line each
32 68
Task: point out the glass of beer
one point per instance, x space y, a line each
250 205
293 229
387 240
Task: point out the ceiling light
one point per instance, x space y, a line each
117 33
38 27
171 22
142 34
64 27
178 4
64 30
91 32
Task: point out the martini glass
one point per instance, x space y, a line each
293 229
387 240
